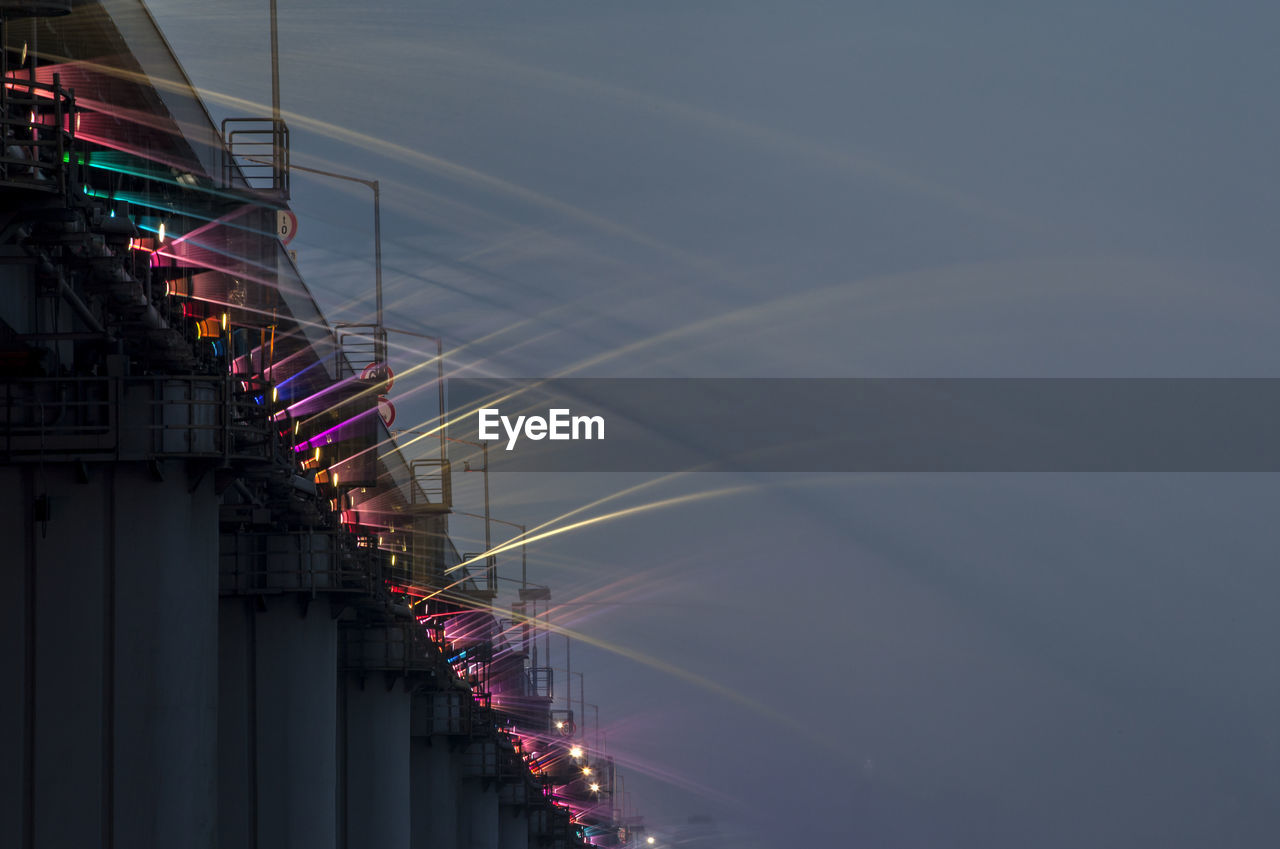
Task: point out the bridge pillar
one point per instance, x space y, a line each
278 773
478 812
435 775
513 828
165 657
110 635
377 762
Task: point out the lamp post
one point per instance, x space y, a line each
443 430
596 710
524 530
491 560
380 331
582 694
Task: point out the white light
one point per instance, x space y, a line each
575 752
586 770
160 233
560 725
595 788
650 840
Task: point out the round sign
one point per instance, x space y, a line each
373 369
286 225
387 410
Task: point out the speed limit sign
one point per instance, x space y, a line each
286 225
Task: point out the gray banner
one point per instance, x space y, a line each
872 425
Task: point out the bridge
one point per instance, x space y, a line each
234 615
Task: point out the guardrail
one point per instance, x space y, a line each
307 561
257 150
388 647
431 485
136 418
37 132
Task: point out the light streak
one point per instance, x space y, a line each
607 517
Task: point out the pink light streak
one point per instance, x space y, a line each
311 443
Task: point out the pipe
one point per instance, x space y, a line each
239 487
78 305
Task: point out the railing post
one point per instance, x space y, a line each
57 122
225 407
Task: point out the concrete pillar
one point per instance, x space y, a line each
297 676
237 724
435 777
72 749
278 724
513 828
377 763
478 815
165 658
18 569
109 646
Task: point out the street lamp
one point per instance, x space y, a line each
491 560
524 530
443 430
380 332
596 710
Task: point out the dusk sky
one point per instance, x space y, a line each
799 189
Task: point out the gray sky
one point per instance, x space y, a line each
845 189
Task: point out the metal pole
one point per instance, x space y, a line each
444 418
275 73
595 709
443 430
582 702
380 332
491 562
277 137
380 340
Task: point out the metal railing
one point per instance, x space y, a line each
542 682
37 134
449 712
308 561
131 418
431 485
257 149
388 647
363 346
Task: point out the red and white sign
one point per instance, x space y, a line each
286 225
387 410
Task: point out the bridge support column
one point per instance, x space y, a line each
435 779
278 723
377 762
107 662
478 810
165 617
513 828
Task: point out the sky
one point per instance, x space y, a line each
769 189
